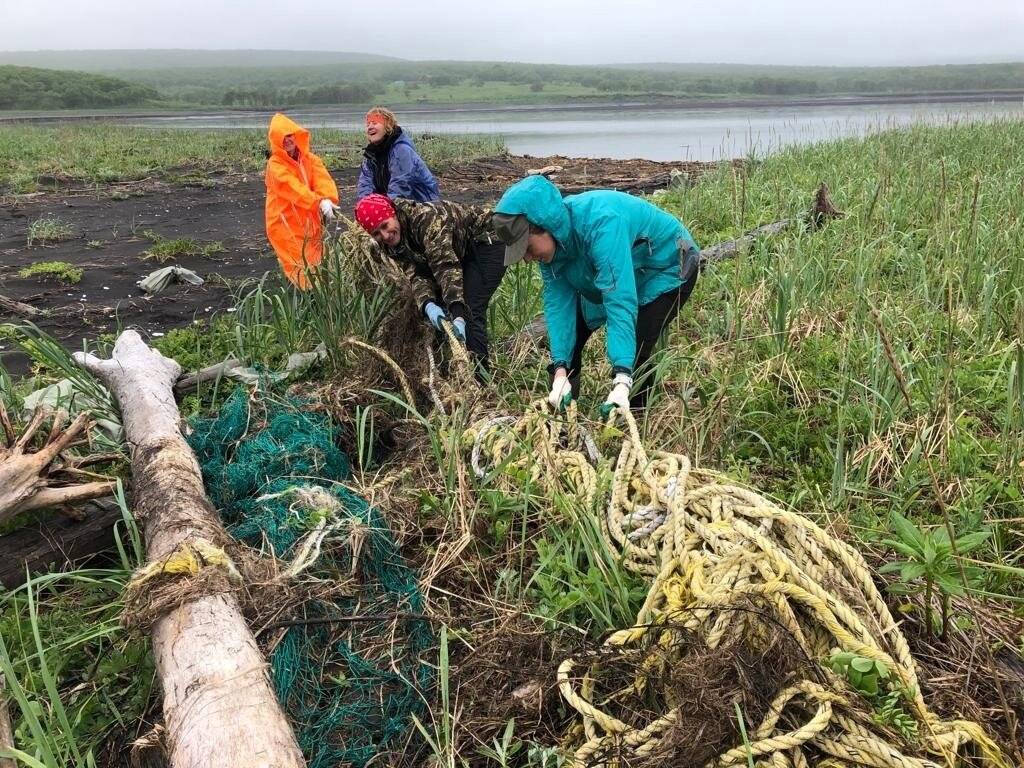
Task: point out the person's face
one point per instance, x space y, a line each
389 232
288 143
540 246
375 130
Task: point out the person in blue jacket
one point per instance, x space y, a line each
606 258
391 166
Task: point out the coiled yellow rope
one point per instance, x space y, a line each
713 550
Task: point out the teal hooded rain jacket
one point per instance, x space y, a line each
614 251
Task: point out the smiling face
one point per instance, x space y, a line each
376 130
289 145
389 232
540 246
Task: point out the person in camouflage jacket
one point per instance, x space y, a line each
451 256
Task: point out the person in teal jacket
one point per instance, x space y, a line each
606 258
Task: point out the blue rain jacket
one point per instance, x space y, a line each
614 251
402 173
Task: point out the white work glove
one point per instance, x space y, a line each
561 392
459 324
327 208
619 396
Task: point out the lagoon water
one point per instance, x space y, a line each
654 133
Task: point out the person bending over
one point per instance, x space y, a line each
606 258
450 255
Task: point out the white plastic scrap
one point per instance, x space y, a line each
159 279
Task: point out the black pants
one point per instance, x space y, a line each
651 320
482 270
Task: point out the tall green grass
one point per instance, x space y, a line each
780 356
73 675
103 153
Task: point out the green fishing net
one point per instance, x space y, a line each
350 689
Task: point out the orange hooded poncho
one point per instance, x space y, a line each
295 189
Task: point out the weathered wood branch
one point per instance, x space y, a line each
18 308
57 542
32 480
816 216
191 381
219 707
642 185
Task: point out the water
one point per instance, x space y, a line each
667 134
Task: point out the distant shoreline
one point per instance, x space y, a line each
941 97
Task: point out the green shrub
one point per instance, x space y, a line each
53 270
47 229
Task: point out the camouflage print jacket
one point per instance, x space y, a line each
436 237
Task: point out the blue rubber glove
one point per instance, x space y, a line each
459 325
434 314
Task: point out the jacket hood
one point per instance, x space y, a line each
281 126
540 202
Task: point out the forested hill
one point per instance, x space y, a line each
163 58
286 79
32 88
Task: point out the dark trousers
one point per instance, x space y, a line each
651 320
482 270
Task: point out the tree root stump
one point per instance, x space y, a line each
45 477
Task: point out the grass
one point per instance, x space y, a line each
473 92
167 249
32 157
46 230
53 270
872 368
781 359
74 676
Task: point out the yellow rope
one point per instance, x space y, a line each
187 559
714 549
403 381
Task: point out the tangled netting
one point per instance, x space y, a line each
272 470
720 556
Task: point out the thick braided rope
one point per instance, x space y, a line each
534 449
713 549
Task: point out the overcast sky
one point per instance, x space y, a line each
854 32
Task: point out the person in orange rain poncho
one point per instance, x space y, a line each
300 192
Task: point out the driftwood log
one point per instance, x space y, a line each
57 542
18 308
821 211
46 477
219 707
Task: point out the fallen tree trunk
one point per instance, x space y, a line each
219 707
821 211
57 542
18 308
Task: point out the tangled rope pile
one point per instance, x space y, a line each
723 559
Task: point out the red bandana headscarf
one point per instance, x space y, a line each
373 210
